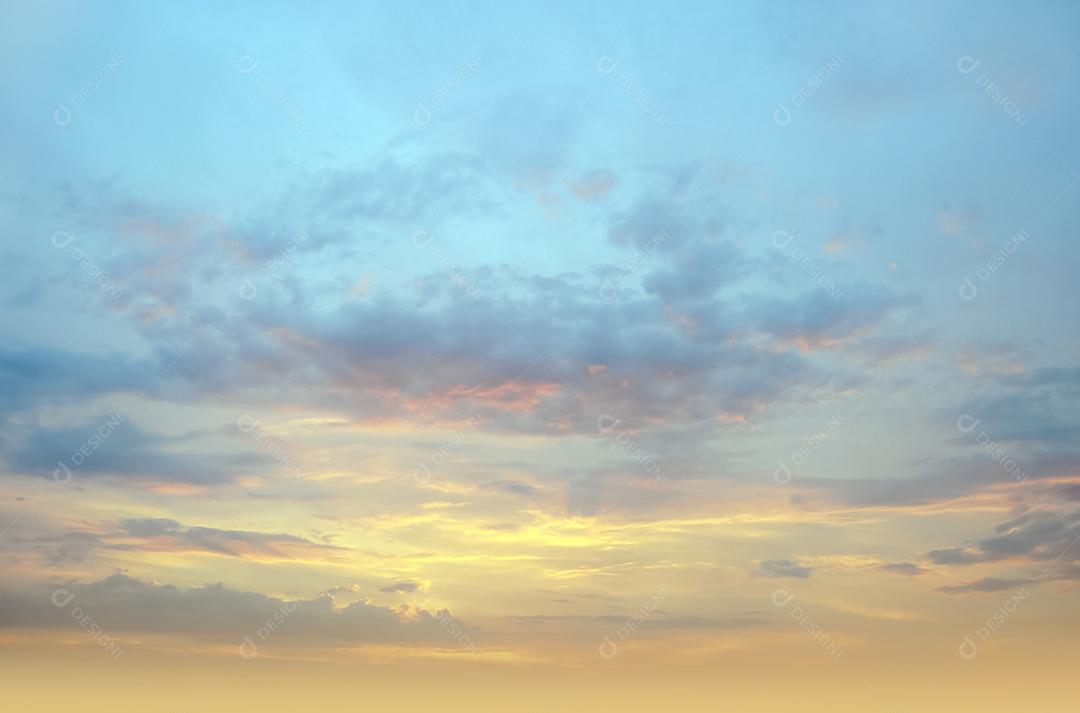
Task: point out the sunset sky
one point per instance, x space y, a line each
539 356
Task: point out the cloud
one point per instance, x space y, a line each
160 534
657 622
1034 536
905 568
1040 408
401 587
943 479
818 319
954 222
59 546
110 445
449 358
781 568
37 375
120 604
986 584
698 271
511 487
594 186
414 193
653 220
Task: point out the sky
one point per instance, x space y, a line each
481 356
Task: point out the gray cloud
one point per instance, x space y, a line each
169 534
121 449
1034 536
511 487
1040 408
781 568
986 584
120 604
905 568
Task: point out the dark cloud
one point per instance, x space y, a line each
111 445
33 376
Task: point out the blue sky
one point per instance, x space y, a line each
548 252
